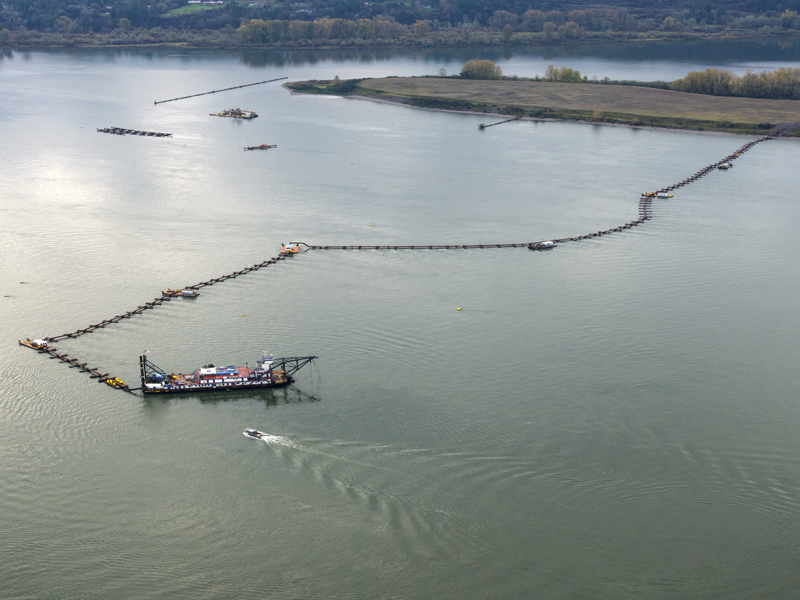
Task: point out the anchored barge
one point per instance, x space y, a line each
269 372
236 113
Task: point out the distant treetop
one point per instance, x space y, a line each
481 69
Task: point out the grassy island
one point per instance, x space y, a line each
589 102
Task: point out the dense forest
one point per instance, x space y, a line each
318 22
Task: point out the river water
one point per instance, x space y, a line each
612 419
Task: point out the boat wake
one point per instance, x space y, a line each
269 439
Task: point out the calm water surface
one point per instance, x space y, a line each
612 419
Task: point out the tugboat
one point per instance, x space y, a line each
664 195
261 147
236 113
548 245
269 372
187 293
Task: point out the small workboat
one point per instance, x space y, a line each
542 245
725 165
254 434
187 293
262 147
34 344
290 248
664 195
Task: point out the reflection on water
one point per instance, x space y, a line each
713 52
270 398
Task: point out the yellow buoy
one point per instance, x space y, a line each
458 309
241 315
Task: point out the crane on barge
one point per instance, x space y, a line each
269 372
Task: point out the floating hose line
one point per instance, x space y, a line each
236 87
645 204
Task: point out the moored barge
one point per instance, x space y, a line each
236 113
269 372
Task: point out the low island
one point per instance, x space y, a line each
587 102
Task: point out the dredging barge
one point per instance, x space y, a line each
236 113
269 372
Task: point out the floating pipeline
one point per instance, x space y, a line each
160 300
644 212
482 126
236 87
645 203
115 382
121 131
73 363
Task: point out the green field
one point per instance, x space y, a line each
575 101
189 8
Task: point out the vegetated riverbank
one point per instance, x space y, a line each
229 38
613 104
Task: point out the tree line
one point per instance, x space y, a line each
555 19
780 84
783 83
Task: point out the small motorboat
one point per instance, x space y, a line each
254 434
542 245
725 165
664 195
